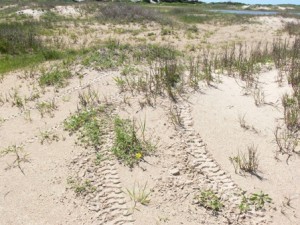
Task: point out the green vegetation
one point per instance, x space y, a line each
46 107
81 187
126 12
89 124
18 153
139 194
209 200
128 148
55 78
246 162
112 54
257 200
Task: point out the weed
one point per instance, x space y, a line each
246 162
175 117
291 111
55 78
89 99
90 124
46 107
286 141
128 147
139 194
48 136
259 200
244 206
81 187
17 100
18 152
99 158
259 97
209 200
243 123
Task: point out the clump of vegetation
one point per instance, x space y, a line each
112 54
18 38
121 12
209 200
55 78
81 187
48 137
89 124
46 107
18 153
128 147
292 28
287 142
246 162
139 195
257 200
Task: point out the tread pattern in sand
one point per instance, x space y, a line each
215 178
107 201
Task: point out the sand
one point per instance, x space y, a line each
188 159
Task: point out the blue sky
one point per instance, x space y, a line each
274 2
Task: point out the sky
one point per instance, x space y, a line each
274 2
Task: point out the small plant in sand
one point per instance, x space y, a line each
243 123
139 194
100 158
246 162
209 200
259 96
48 136
291 111
18 152
81 187
175 117
257 200
27 116
128 148
89 99
46 107
17 100
287 142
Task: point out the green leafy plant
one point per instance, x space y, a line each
56 78
88 123
259 200
256 200
127 146
209 200
81 187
